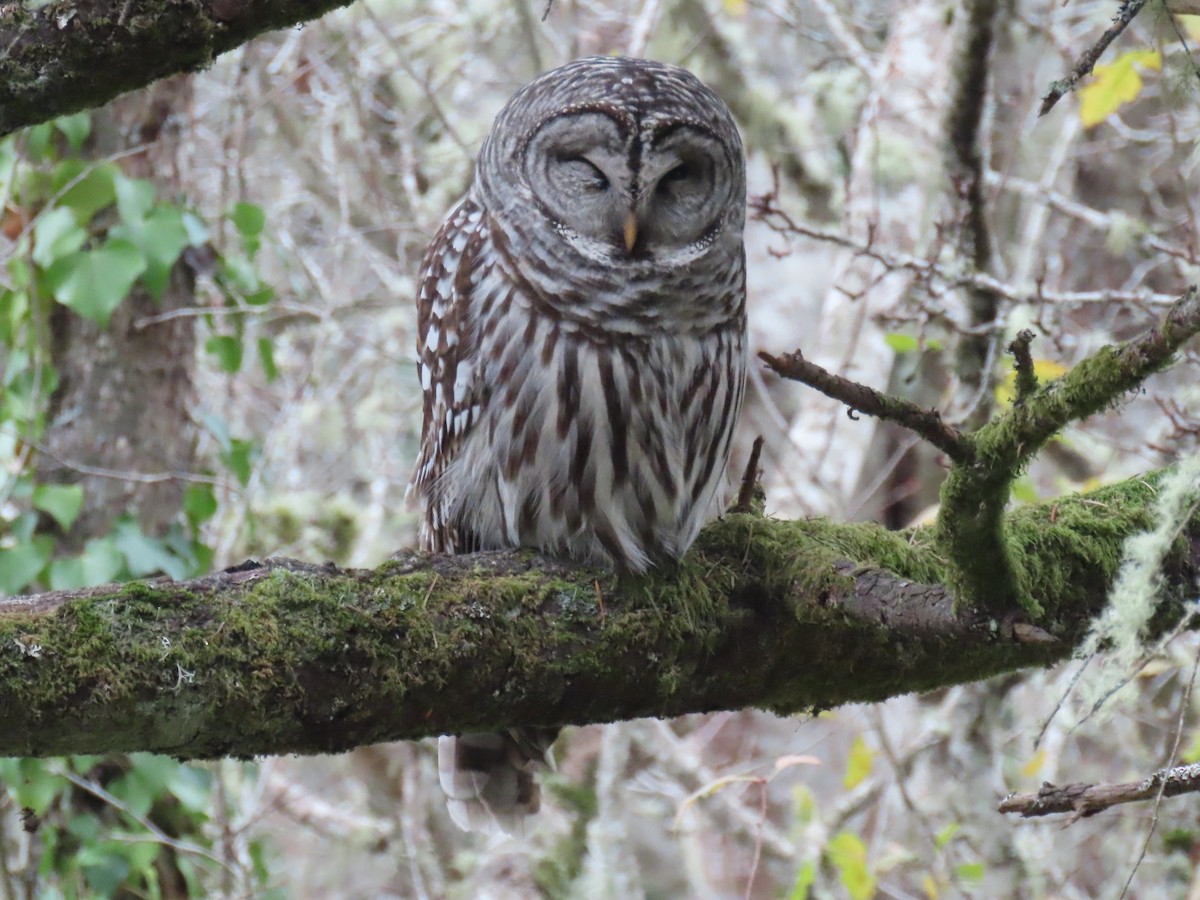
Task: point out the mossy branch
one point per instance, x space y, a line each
77 54
971 523
284 657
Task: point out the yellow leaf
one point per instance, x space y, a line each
1034 765
848 854
1114 85
931 888
1048 369
1191 24
735 7
858 766
1043 369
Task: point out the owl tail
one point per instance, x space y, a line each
490 780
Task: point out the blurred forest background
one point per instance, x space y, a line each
206 334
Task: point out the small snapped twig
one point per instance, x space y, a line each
1087 60
745 500
860 398
1081 800
1027 384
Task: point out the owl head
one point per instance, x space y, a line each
622 161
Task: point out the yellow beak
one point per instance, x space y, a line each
630 231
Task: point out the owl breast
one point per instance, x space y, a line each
592 444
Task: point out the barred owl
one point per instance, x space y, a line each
581 345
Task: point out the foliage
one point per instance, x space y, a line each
81 237
1115 84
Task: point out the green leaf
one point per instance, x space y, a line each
240 459
805 879
37 141
193 788
67 574
902 343
228 351
145 555
62 501
249 219
199 503
161 236
104 867
56 234
858 764
1114 85
102 561
848 854
261 296
946 835
33 785
94 282
197 231
969 872
21 564
266 357
93 187
75 128
135 196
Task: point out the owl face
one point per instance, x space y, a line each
626 161
618 189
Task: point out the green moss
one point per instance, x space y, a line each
319 660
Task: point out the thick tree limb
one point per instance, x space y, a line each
77 54
1082 800
788 616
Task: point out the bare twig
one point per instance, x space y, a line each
1082 800
934 276
860 398
1087 61
1185 703
745 498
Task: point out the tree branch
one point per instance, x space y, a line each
286 657
1081 800
971 526
861 398
1088 59
77 54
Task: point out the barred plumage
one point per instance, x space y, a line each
581 346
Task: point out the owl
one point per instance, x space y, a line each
581 349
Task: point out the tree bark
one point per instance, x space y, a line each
77 54
284 657
124 398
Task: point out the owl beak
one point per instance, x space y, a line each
631 228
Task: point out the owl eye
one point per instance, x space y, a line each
681 172
587 172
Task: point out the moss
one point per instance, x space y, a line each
313 659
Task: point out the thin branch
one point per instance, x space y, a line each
1082 800
1088 59
934 276
860 398
1185 703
